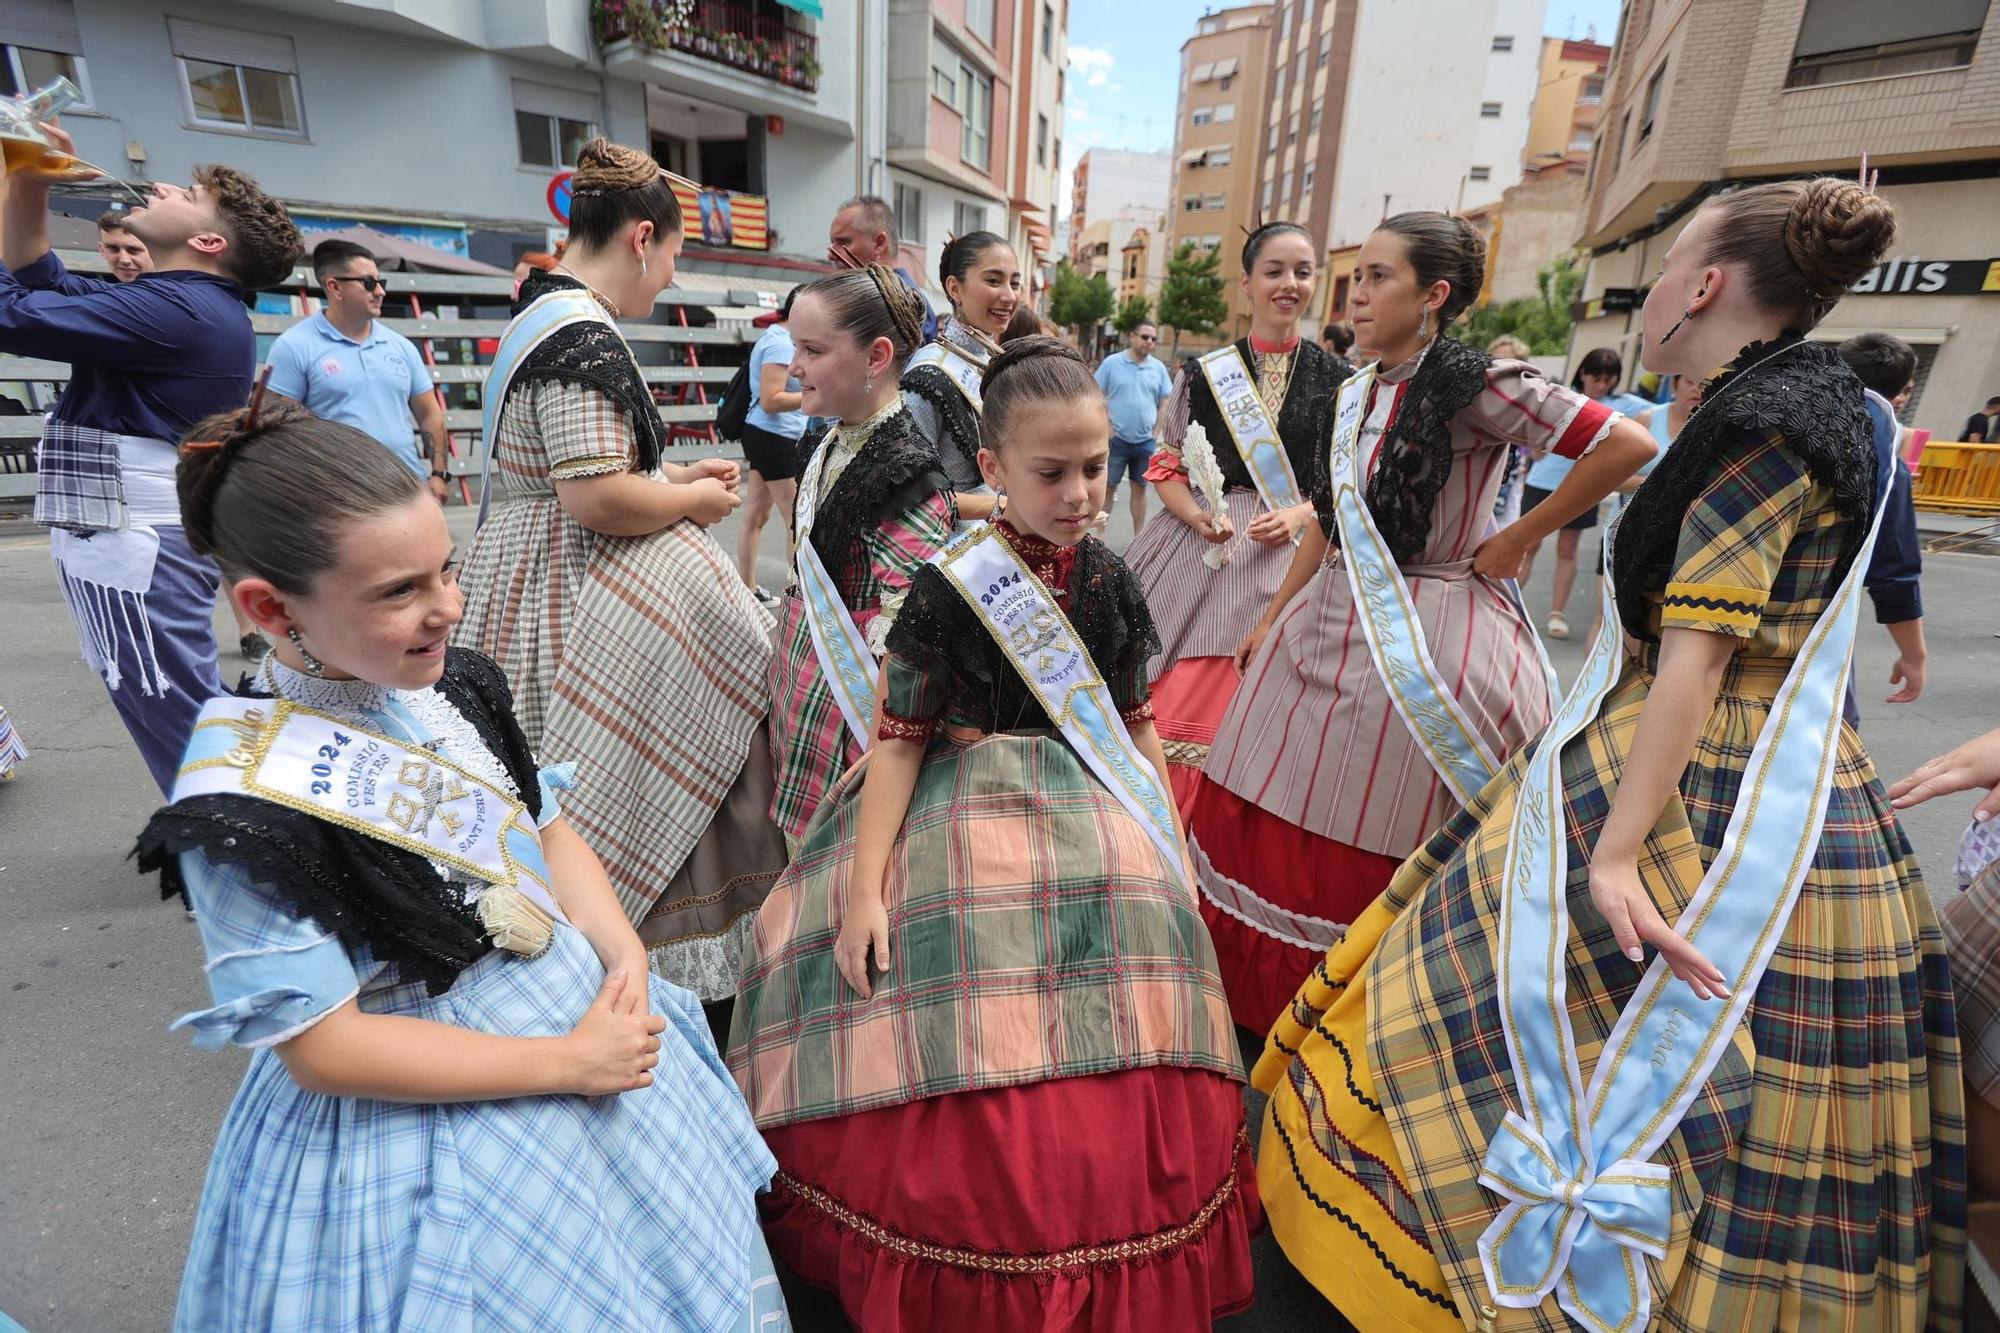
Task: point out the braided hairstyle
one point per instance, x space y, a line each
1032 369
1801 244
872 302
1443 248
616 185
268 496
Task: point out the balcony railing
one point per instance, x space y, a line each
715 30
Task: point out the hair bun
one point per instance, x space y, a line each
1836 232
604 167
207 450
1033 347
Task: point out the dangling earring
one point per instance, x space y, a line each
314 667
642 263
1424 325
1668 336
868 386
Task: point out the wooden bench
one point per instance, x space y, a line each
454 341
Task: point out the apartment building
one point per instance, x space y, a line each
1379 107
1109 182
1704 96
974 123
447 121
1569 94
1218 126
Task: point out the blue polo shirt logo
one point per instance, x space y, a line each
330 366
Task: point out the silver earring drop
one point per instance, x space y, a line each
642 265
1424 325
1668 336
868 385
314 667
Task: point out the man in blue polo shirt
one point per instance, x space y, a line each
343 364
1135 383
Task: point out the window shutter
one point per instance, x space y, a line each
231 46
544 100
46 25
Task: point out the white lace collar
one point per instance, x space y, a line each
349 698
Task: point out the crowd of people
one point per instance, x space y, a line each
613 935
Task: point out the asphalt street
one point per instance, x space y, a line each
106 1118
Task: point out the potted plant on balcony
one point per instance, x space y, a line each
644 22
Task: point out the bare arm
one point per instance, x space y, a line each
1306 561
1180 502
429 415
771 393
629 504
591 904
1911 655
1676 709
1623 451
891 780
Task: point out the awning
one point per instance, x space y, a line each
394 253
1193 155
810 8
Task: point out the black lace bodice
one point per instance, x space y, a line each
1808 396
895 470
593 355
1305 422
942 638
389 901
957 423
1415 456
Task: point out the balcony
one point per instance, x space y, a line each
715 31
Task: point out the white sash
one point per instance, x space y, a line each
544 315
1031 629
1584 1200
959 368
401 794
1430 709
849 668
1250 427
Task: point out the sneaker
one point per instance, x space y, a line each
1558 627
253 647
765 595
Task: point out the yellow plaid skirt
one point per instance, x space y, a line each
1818 1178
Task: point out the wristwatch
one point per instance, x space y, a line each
438 474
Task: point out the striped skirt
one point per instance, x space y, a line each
1818 1178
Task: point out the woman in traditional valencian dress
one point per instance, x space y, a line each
468 1106
1319 784
1771 1135
981 276
630 645
981 1026
873 504
1265 403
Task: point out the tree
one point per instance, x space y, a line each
1542 322
1136 311
1080 303
1064 292
1191 297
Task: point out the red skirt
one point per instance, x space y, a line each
1290 867
1189 700
1112 1202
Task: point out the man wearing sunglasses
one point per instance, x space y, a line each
1135 383
343 364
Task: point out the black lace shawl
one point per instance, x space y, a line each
1305 422
593 355
1414 460
958 423
937 631
1809 396
372 895
895 470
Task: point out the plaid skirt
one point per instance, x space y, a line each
1035 933
1818 1178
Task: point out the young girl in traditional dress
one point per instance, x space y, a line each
874 503
629 642
1771 1134
982 278
1320 783
468 1106
1265 403
981 1027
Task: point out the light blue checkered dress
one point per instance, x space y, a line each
634 1211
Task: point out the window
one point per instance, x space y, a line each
1216 157
1489 110
1299 71
909 204
1041 140
1340 286
1292 130
944 77
1325 48
1285 25
1285 187
1319 109
1212 241
975 109
979 19
1225 113
1190 203
237 80
1306 180
1223 84
1271 139
1270 191
1592 92
967 218
1503 43
38 44
1214 203
1841 40
1580 142
1048 31
552 124
1201 115
1278 86
1652 103
1479 174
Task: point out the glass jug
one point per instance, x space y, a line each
21 136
